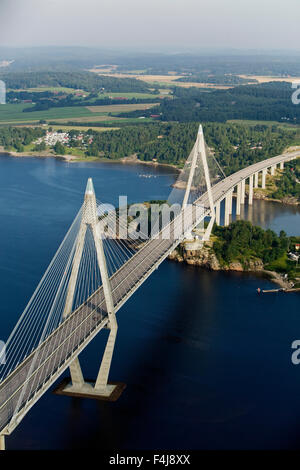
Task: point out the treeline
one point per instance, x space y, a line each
168 143
87 81
15 138
71 100
235 145
289 182
218 79
242 241
265 102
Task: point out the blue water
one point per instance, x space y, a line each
206 360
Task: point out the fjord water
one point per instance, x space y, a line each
207 361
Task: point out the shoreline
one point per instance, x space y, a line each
130 160
78 159
271 276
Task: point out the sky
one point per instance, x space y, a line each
152 25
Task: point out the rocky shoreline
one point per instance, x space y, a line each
207 259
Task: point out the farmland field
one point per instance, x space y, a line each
83 128
162 80
14 112
51 89
140 96
265 78
119 108
10 113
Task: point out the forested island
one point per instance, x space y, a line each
242 246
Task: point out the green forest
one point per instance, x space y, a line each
218 79
289 181
242 241
15 138
87 81
235 145
264 102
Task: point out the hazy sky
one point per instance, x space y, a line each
152 24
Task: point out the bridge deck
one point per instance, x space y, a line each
40 370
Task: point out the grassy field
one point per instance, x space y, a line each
246 122
121 108
83 128
13 113
161 80
52 89
140 96
265 78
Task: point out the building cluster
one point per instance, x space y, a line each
295 255
51 138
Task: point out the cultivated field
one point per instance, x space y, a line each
121 108
83 128
162 80
140 96
265 79
12 113
50 88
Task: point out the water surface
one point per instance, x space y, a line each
206 360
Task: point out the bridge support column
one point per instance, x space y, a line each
230 202
250 197
281 165
2 442
227 213
243 192
256 180
273 168
101 389
76 373
263 179
101 384
218 212
238 199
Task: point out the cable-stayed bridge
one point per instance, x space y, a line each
94 272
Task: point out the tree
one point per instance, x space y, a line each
59 148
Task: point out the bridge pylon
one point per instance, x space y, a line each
77 385
199 158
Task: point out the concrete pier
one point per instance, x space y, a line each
250 197
230 202
243 185
227 206
263 179
238 199
218 212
